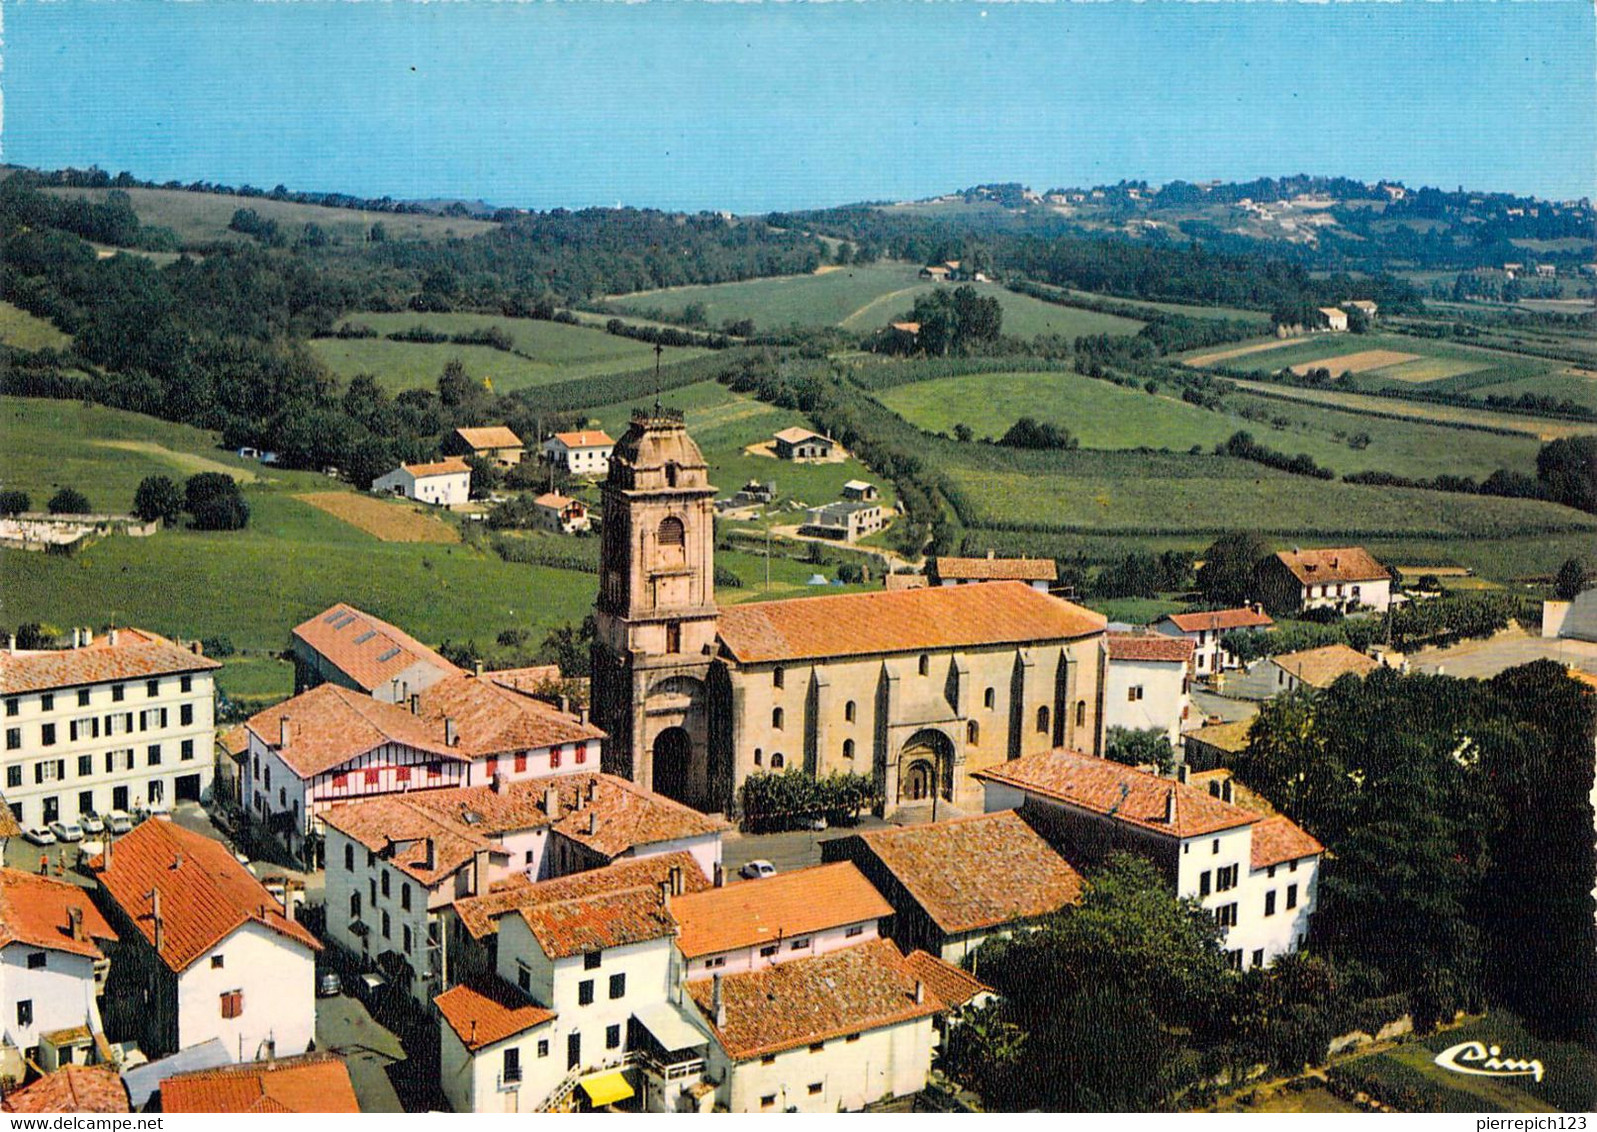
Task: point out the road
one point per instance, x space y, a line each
374 1056
800 849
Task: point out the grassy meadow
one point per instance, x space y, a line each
200 218
29 332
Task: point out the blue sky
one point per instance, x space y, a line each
755 106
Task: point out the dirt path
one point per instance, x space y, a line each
892 296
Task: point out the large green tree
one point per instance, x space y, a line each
1227 574
158 497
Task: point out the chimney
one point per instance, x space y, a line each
451 733
920 992
110 637
415 704
428 857
593 789
1170 806
582 715
155 915
498 785
551 801
474 1031
75 922
563 703
989 554
285 732
105 859
479 872
177 860
197 648
593 823
720 875
288 900
1183 773
718 1003
11 642
77 637
665 893
1226 793
1214 789
477 669
676 880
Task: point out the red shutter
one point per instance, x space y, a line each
521 763
582 752
554 757
372 777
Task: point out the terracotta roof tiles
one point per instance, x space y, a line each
72 1088
1334 564
804 1001
1322 667
205 894
1280 839
999 569
35 911
977 872
1121 792
1219 620
313 1082
137 655
488 1011
891 621
490 436
494 719
588 438
480 914
329 725
779 907
593 923
954 986
367 649
796 435
452 466
1149 646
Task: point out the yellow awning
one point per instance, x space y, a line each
606 1088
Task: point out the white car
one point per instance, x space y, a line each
156 809
757 870
91 822
39 835
117 821
68 831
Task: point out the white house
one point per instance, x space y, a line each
1573 620
1316 669
395 864
204 950
1206 631
1038 573
51 971
444 483
117 722
1256 875
1147 683
830 1033
801 444
732 929
561 514
582 453
1346 578
346 646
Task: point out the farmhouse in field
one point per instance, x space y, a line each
1365 305
1332 318
844 522
916 688
443 483
494 442
859 491
1256 874
1207 629
903 336
1147 683
344 646
561 514
936 271
582 453
1343 578
802 444
1038 573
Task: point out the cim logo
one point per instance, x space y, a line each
1482 1060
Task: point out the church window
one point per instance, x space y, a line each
777 761
759 757
848 711
1042 720
1081 713
673 637
778 676
989 698
671 471
848 748
972 732
776 718
925 664
672 532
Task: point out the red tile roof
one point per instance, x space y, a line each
589 438
593 923
977 872
205 894
954 986
72 1088
524 680
330 725
480 914
393 822
137 655
1218 620
368 650
451 466
1335 564
8 822
34 910
235 740
803 1001
999 569
779 907
489 1011
494 719
1322 667
889 621
490 436
1119 792
314 1082
1280 839
1149 646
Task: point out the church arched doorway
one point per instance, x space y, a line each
673 760
926 766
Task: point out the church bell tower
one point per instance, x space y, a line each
656 609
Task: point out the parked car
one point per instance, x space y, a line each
68 831
757 870
91 822
39 835
328 985
817 824
117 821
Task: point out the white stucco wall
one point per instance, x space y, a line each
62 993
890 1061
737 961
473 1081
277 976
1163 698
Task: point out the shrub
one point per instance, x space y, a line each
158 497
215 503
13 502
69 501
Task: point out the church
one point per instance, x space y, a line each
917 688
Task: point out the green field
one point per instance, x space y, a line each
1189 310
1107 416
28 332
1541 427
859 298
1577 387
203 217
548 352
104 453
